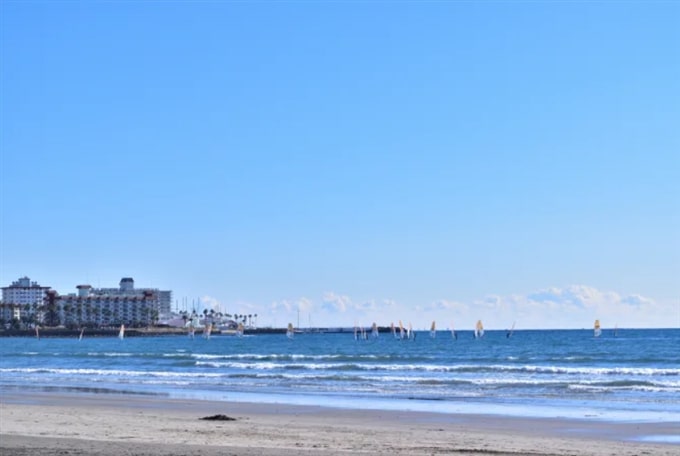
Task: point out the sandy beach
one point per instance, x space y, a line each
75 424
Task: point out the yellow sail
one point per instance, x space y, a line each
596 330
479 329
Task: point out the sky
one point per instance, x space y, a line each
343 162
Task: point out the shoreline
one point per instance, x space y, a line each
47 423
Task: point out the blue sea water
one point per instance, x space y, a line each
632 376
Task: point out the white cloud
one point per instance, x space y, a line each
577 306
335 303
574 306
210 303
305 305
284 306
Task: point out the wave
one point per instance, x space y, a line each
462 368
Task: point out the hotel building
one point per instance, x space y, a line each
21 299
91 307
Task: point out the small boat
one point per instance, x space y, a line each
290 333
597 331
479 330
121 333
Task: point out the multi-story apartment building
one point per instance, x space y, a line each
22 299
112 306
29 303
126 287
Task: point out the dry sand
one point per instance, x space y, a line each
63 424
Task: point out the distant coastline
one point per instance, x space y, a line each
153 332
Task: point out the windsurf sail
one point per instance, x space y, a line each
290 333
433 330
509 333
208 330
80 337
453 332
121 333
394 330
401 330
596 330
479 330
37 333
374 330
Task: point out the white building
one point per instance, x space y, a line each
22 299
32 304
113 306
126 287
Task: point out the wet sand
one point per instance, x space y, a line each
94 424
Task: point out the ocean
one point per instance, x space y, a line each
633 375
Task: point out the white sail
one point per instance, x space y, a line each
597 331
121 333
374 330
290 333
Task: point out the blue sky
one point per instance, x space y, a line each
355 161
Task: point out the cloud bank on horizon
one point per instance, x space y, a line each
571 307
